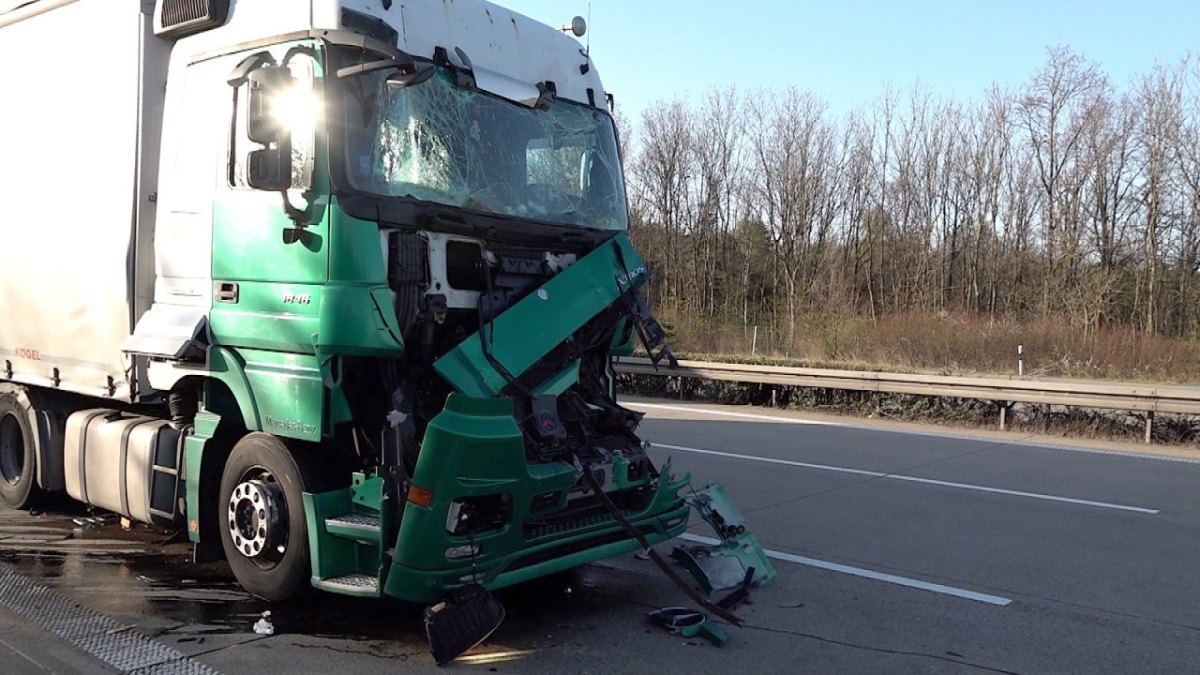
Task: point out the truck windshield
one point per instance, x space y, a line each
439 143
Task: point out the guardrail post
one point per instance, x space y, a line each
1004 416
1149 424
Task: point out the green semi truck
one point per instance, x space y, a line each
334 285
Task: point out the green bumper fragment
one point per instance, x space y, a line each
726 564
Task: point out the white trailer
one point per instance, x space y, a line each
79 131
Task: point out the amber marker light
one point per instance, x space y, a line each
420 496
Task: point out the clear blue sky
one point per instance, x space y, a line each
847 51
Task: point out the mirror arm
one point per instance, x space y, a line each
241 72
307 50
407 64
297 216
353 40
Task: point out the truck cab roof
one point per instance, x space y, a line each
493 37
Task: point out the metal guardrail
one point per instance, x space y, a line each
1147 398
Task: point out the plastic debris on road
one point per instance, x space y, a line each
264 626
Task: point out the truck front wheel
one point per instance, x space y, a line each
263 529
18 455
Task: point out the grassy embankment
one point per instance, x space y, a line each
945 344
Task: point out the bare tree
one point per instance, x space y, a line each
1060 200
1062 101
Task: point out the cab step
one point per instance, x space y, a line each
357 526
357 584
346 538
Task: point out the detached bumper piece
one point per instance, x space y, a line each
465 618
738 562
688 623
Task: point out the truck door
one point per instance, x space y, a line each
268 267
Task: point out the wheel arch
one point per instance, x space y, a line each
47 422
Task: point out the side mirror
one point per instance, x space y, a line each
270 168
265 88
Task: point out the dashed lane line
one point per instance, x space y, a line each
914 479
870 574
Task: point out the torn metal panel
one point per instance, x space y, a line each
737 558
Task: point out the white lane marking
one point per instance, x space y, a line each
913 479
868 574
772 460
1031 495
730 413
907 432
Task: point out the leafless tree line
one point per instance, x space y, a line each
1070 199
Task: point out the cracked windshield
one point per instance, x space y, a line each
435 142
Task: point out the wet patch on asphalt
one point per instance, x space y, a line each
143 578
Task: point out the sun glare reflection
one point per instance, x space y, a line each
297 108
487 658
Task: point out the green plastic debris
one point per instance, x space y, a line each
688 623
729 563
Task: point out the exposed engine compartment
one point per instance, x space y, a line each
448 288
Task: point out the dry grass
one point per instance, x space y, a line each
951 344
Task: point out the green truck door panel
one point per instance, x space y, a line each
248 243
277 316
271 326
279 283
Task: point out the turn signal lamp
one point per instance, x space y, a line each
420 496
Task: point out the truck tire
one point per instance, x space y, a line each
18 454
263 528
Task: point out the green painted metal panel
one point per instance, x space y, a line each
266 340
338 548
358 320
474 448
624 339
228 368
355 249
289 393
562 306
270 315
249 225
330 556
193 455
248 243
424 586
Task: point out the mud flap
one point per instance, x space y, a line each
465 618
738 561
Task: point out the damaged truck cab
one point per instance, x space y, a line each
357 328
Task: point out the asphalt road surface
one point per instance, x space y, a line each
900 549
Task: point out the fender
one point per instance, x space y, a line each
47 424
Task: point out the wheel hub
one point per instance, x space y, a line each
12 449
256 520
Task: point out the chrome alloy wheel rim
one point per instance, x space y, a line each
257 519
